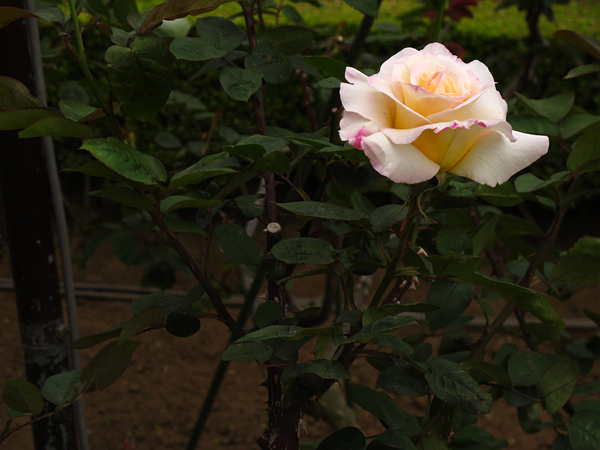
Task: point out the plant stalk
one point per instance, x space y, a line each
219 376
202 279
82 61
404 232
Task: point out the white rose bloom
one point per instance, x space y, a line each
427 112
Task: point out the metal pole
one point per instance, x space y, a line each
33 261
61 221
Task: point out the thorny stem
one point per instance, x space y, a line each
82 60
3 437
543 248
214 296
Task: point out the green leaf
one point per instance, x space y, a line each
182 325
217 36
557 384
247 352
13 93
432 443
23 397
235 244
292 13
183 226
304 251
125 196
329 67
587 388
585 43
386 216
528 182
331 370
126 161
399 381
175 202
483 371
57 127
368 7
62 388
140 75
535 302
167 303
174 9
385 408
485 236
274 331
412 259
527 368
452 384
375 313
150 317
585 154
472 437
528 123
167 141
23 118
273 66
392 440
95 339
124 246
584 430
311 210
371 330
576 123
368 257
579 268
453 299
275 162
582 70
454 265
348 438
267 313
554 108
501 195
249 206
240 83
208 167
108 364
9 14
75 111
388 340
289 40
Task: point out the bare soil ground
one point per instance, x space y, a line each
155 403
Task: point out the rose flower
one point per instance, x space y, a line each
428 112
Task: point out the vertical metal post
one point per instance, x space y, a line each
33 261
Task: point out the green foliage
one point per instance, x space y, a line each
196 159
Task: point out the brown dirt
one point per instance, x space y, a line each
155 403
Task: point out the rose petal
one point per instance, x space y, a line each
354 127
400 163
363 99
486 105
438 49
399 136
481 71
404 116
494 159
423 102
388 66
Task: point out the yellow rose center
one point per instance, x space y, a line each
439 83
